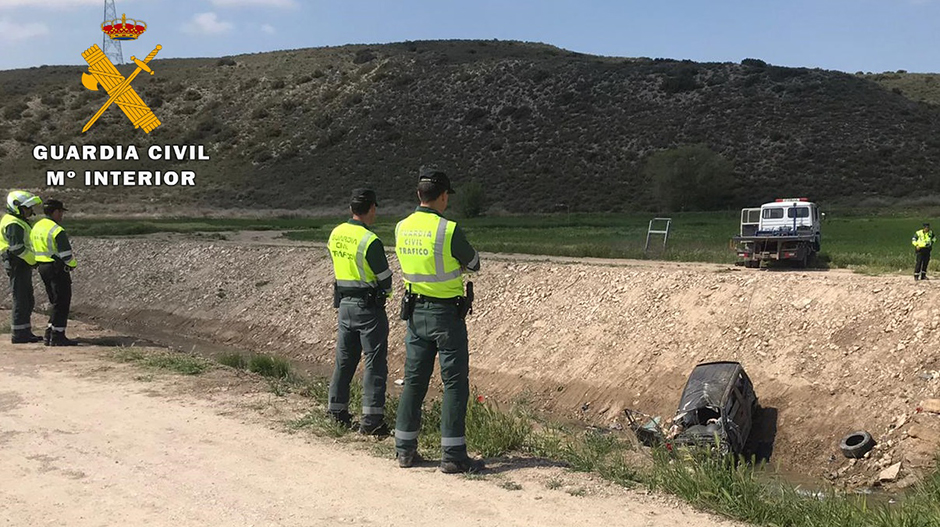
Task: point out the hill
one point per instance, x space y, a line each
539 127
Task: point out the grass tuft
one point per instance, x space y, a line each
233 360
320 423
269 366
165 360
493 433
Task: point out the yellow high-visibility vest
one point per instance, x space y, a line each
348 245
423 246
44 244
922 239
8 219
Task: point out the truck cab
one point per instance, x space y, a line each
786 229
788 216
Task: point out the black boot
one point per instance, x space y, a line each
59 339
47 337
24 336
371 429
343 418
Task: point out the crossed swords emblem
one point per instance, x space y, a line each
102 71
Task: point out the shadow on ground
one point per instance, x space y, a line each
760 443
117 341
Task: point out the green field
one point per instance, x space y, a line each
867 244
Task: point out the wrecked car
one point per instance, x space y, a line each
717 408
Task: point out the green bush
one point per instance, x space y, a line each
472 199
690 178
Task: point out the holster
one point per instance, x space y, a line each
336 296
408 301
375 299
465 303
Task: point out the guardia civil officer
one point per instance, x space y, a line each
55 262
18 261
434 253
922 241
363 283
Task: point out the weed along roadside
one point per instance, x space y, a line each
729 486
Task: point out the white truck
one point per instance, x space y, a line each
786 229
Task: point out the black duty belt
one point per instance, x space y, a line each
451 301
354 294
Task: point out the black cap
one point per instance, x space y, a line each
438 177
364 195
926 224
51 205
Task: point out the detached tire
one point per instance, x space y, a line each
856 444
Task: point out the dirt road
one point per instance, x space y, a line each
86 441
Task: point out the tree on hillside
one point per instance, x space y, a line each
690 178
471 201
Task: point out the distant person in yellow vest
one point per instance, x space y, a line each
363 283
922 241
55 260
18 261
434 253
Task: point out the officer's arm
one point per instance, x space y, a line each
19 245
463 251
65 249
375 256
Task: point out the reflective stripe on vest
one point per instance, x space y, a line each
423 246
7 220
348 245
43 239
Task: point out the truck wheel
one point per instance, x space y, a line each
752 264
856 444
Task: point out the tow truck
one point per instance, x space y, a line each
786 229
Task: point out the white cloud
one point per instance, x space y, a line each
50 4
258 3
268 28
207 24
10 30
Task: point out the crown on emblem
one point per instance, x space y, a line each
124 29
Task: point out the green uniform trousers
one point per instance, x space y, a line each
21 285
361 331
435 329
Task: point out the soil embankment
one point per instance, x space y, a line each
829 352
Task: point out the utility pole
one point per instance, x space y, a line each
111 48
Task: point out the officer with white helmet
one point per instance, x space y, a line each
18 260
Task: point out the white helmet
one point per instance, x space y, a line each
21 198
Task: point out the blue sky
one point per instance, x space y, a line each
846 35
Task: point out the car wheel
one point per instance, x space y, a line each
856 444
